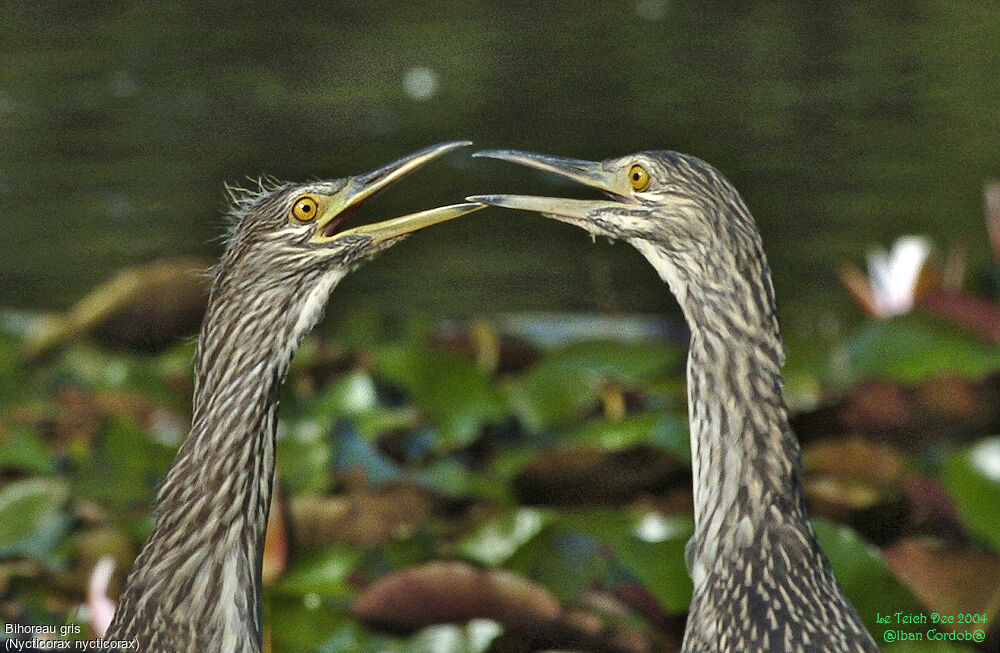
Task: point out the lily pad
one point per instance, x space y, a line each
566 562
32 516
313 624
451 390
352 394
668 431
123 468
649 545
324 573
304 456
496 540
972 477
569 379
911 348
351 451
859 567
25 451
927 647
450 477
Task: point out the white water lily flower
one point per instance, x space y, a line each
893 275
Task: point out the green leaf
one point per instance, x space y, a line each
408 550
926 647
32 516
473 637
99 369
910 348
972 477
564 561
304 456
311 624
496 540
568 380
510 460
611 434
451 390
450 477
859 568
324 573
351 395
667 431
12 385
123 468
649 545
351 451
25 451
566 555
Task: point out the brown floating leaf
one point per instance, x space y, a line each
140 309
880 464
449 592
980 316
445 592
364 518
855 481
949 580
933 511
877 405
493 352
580 476
949 396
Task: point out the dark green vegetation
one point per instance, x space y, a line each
842 124
434 474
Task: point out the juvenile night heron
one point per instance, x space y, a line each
761 581
195 586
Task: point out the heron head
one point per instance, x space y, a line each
288 230
290 246
677 210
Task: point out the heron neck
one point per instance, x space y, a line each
744 455
222 477
200 569
745 459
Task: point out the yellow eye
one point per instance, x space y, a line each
305 208
638 177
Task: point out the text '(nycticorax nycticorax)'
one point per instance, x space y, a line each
761 580
195 586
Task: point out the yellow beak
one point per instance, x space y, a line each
588 173
361 187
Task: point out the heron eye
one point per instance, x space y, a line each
638 177
304 209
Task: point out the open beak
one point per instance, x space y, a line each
329 225
578 211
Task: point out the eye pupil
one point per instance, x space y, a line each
304 208
638 178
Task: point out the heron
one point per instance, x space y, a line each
196 584
761 580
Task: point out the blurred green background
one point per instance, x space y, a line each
843 124
437 429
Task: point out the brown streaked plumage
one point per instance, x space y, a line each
761 581
195 586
